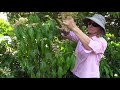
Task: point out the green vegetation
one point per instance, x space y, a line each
37 49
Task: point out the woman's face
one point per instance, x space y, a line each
93 28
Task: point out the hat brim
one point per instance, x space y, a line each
87 19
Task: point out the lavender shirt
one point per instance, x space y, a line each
87 62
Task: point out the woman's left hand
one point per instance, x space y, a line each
70 23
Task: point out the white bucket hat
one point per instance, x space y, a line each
97 18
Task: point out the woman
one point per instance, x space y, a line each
90 48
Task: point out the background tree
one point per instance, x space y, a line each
38 50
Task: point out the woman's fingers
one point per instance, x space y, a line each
69 23
61 23
61 28
65 23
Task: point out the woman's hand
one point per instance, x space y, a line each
85 40
70 23
62 29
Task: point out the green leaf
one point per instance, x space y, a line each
36 19
53 73
1 35
43 66
42 47
31 33
73 61
38 74
106 71
17 32
60 72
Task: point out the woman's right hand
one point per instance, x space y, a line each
63 28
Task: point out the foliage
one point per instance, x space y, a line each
6 60
5 28
111 61
38 51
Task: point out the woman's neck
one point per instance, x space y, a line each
91 35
